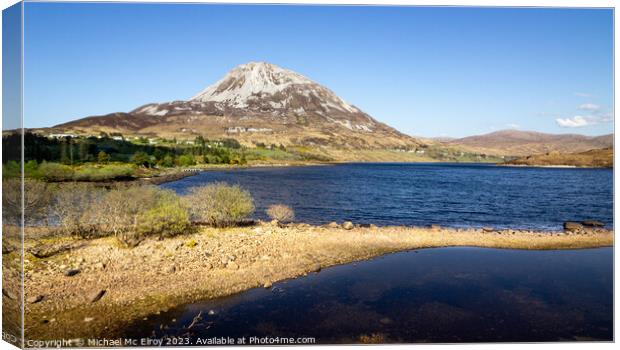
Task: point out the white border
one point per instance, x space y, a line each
482 3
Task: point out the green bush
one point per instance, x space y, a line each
55 171
103 157
141 159
11 169
133 212
168 218
219 204
186 160
167 161
105 172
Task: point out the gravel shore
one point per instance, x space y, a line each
95 288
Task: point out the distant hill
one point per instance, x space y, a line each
525 143
596 158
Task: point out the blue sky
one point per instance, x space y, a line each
426 71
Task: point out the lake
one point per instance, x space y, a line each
455 195
431 295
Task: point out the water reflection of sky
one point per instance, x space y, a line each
431 295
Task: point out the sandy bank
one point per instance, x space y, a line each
158 275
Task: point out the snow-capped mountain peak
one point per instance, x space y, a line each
259 83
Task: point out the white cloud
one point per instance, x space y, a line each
581 94
589 107
574 122
606 118
513 126
579 121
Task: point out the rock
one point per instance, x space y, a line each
488 229
99 266
267 285
6 249
34 299
347 225
373 227
385 320
8 294
88 319
71 272
435 227
333 224
171 269
212 312
232 266
572 226
592 223
316 267
275 222
45 251
97 295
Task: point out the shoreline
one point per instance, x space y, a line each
159 275
175 174
559 166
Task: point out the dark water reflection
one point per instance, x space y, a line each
432 295
421 194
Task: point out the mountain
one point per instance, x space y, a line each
256 102
525 143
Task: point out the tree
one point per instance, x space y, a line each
231 143
103 157
167 161
186 160
141 159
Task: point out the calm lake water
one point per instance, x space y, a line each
430 295
454 195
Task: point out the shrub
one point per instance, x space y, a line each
141 159
71 205
11 169
37 201
219 204
103 157
167 161
106 172
186 160
281 212
166 219
133 212
55 171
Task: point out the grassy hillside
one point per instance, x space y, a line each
596 158
525 143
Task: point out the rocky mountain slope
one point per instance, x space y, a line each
524 143
254 103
